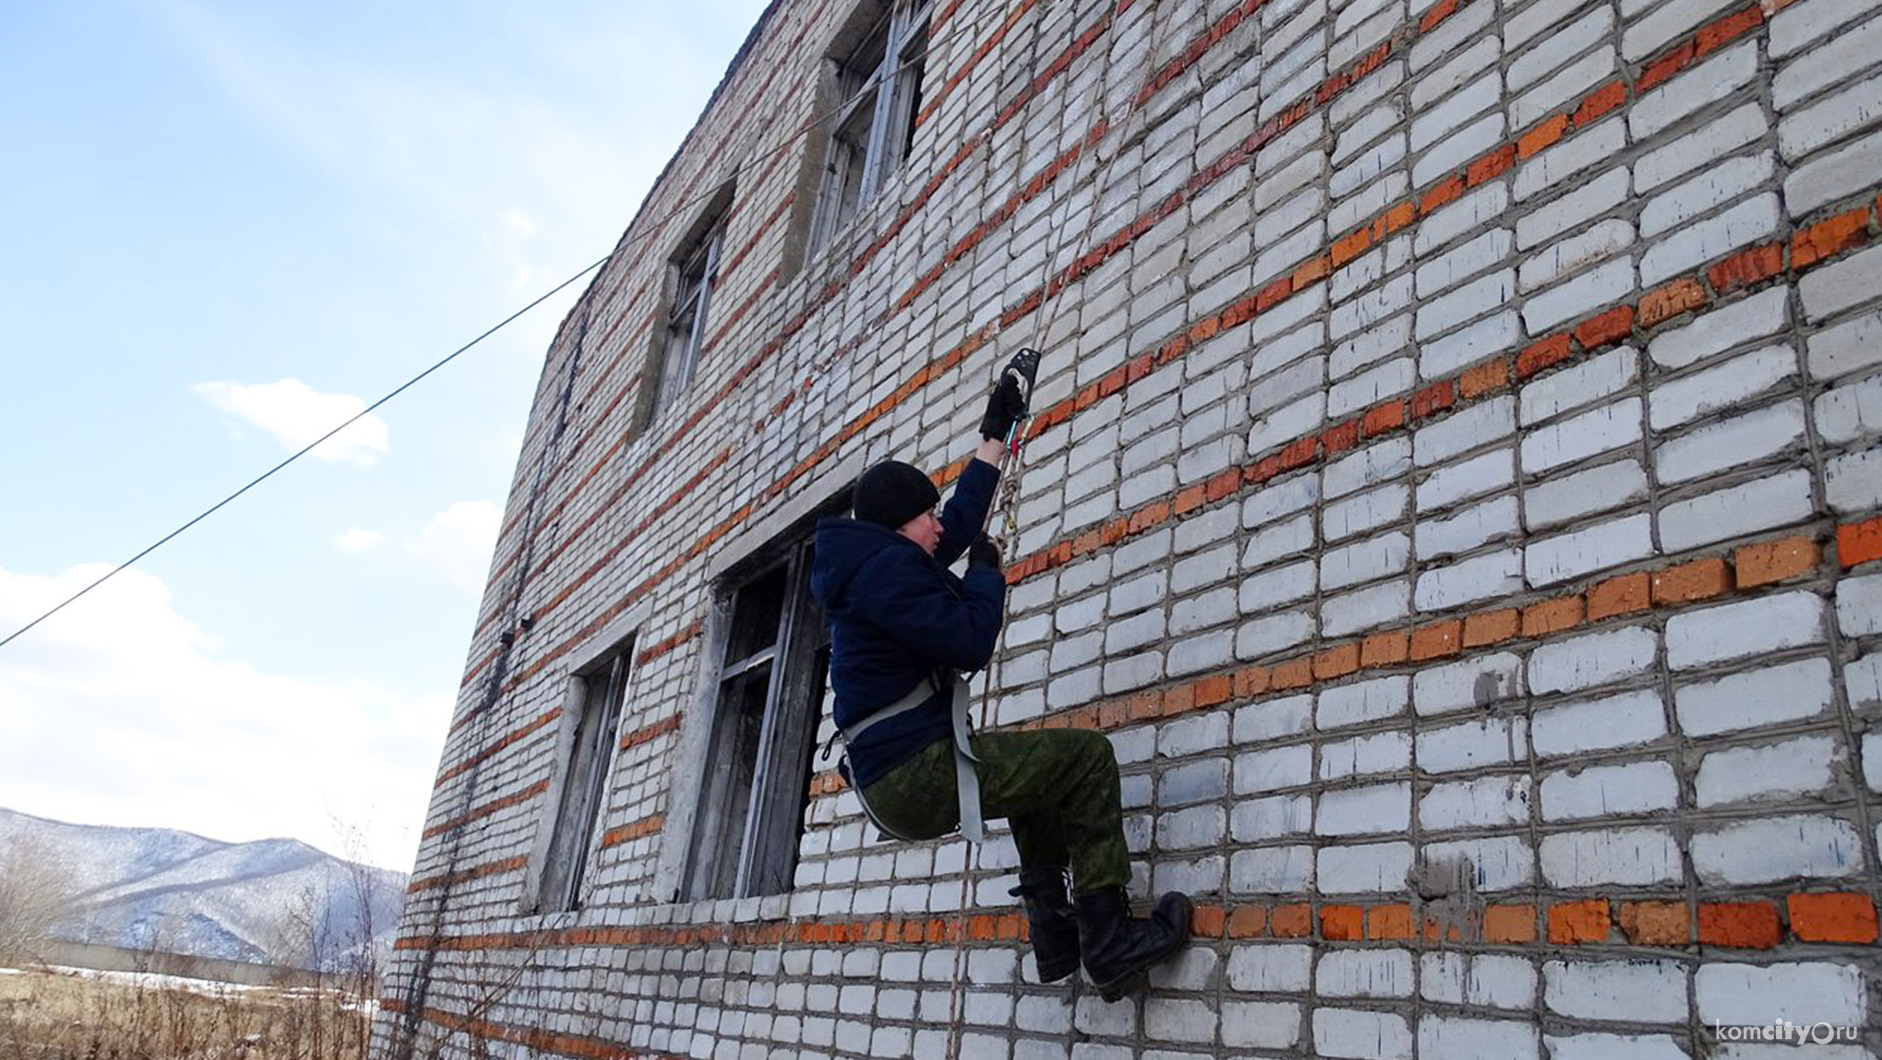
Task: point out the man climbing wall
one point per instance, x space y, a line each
903 631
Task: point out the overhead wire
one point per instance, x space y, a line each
647 232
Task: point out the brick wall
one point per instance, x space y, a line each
1455 492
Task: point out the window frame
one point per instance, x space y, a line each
862 156
587 751
692 277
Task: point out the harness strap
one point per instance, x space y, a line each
966 780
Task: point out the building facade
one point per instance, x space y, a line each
1454 491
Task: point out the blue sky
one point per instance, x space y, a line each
226 227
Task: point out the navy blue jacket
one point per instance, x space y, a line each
897 615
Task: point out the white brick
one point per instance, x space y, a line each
1863 681
1468 214
1283 540
1592 660
1699 148
1778 772
1847 347
1484 742
1591 290
1689 397
1260 1024
1456 1038
1830 118
1486 802
1469 528
1459 149
1364 811
1281 767
1777 848
1453 267
1573 155
1704 241
1609 791
1832 175
1548 54
1370 346
1615 1047
1271 818
1352 1035
1381 697
1850 412
1365 560
1384 752
1573 209
1729 443
1640 991
1616 721
1746 995
1755 698
1470 478
1597 489
1370 466
1749 627
1467 303
1859 605
1272 870
1262 592
1740 322
1852 483
1571 555
1716 78
1828 65
1579 437
1367 511
1364 973
1667 21
1625 856
1371 868
1270 968
1496 863
1364 609
1271 633
1847 283
1283 426
1597 377
1458 108
1471 684
1761 504
1467 429
1800 25
1707 190
1368 388
1564 87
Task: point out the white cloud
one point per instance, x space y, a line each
296 414
118 711
358 539
458 541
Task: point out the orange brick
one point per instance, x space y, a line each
1859 542
1833 917
1251 681
1552 616
1385 649
1341 923
1387 417
1437 640
1144 705
1398 217
1828 237
1620 596
1248 922
1542 136
1190 499
1294 673
1340 439
1389 922
1336 662
1542 354
1438 13
1599 102
1300 453
1656 923
1702 579
1611 326
1351 246
1447 191
1208 921
1491 627
1213 690
1744 925
1433 399
1291 921
1747 267
1312 272
1668 301
1774 561
1491 166
1715 36
1178 700
1487 377
1576 922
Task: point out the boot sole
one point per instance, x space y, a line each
1139 976
1047 975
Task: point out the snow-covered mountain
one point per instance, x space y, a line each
276 901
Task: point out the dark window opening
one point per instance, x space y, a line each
879 84
585 773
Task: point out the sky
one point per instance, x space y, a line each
224 229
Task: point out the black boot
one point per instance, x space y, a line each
1117 947
1051 922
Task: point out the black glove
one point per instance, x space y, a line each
984 552
1008 404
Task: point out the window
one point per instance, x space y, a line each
695 269
878 80
589 750
770 693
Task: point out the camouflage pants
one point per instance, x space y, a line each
1057 788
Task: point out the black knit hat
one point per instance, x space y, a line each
891 493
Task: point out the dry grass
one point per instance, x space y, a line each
55 1015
